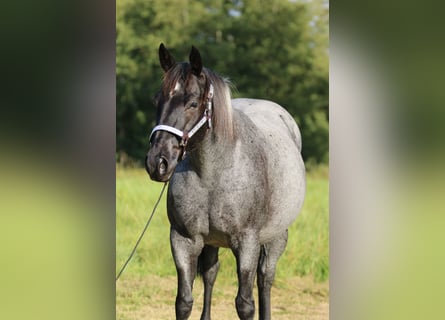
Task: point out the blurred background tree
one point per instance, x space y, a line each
270 49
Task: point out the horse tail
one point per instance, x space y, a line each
293 130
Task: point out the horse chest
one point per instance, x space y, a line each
216 213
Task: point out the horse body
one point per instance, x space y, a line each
256 183
237 182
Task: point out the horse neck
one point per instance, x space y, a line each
209 154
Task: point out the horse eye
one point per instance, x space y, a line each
194 104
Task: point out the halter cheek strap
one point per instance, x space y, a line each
184 135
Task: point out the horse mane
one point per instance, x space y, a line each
222 106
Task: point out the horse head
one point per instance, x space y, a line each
183 108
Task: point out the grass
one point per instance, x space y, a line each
306 255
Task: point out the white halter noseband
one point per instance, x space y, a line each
184 135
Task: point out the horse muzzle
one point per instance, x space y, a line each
160 165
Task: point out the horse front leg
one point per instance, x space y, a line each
246 250
208 266
185 253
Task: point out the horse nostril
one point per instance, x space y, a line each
162 165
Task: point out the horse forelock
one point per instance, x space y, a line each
172 77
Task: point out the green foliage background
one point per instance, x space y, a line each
270 49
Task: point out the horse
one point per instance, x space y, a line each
236 180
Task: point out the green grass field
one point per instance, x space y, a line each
306 255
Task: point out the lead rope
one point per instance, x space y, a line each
142 234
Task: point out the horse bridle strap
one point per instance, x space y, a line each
184 135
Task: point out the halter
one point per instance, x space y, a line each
184 135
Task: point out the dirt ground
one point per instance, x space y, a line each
152 298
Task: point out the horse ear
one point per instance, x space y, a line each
195 61
165 58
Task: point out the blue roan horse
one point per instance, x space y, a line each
237 180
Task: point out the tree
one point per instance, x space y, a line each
275 50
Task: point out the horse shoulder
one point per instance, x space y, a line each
187 201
